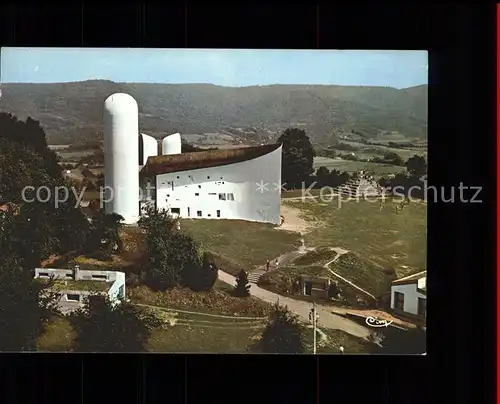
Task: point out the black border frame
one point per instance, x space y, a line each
461 40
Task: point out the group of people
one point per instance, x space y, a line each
268 265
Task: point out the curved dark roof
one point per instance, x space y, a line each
211 158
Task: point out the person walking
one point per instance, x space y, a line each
267 265
277 263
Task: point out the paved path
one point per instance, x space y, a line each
282 260
302 309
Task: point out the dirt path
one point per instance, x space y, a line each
293 221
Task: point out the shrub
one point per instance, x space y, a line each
242 287
283 334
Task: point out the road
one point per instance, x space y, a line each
326 318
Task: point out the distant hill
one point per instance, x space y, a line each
72 112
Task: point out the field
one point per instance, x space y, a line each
388 238
296 193
371 277
381 148
353 166
201 328
239 244
75 155
219 336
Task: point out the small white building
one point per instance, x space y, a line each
73 286
409 294
242 183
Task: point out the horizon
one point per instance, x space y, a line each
222 67
217 85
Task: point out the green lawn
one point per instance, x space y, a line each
337 339
58 336
241 244
365 274
319 256
354 166
232 339
210 337
299 193
390 239
206 333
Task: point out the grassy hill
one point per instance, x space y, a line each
72 112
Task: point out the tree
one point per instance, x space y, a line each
242 287
393 158
407 186
173 257
26 165
323 176
70 226
283 333
297 158
30 135
157 221
104 232
25 306
384 182
417 166
26 235
166 260
343 178
104 326
202 277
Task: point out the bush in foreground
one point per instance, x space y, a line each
283 333
242 287
102 326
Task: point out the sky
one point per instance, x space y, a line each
234 68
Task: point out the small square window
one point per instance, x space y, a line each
198 213
196 194
177 177
222 197
72 297
199 186
208 177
